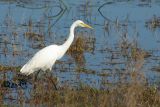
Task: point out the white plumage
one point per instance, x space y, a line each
45 58
42 60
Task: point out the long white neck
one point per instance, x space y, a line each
70 39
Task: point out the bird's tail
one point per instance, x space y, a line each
25 70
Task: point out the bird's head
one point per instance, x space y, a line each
82 24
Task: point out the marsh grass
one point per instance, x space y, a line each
9 68
153 23
83 43
77 50
133 94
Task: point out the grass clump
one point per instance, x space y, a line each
131 95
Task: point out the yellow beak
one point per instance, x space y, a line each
87 26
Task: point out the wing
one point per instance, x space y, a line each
43 59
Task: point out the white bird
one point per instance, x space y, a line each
45 58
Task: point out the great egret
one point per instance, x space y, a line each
45 58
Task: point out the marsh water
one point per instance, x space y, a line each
120 27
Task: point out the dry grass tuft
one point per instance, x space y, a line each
130 95
77 50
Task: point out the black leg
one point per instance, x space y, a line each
36 75
52 79
53 82
46 75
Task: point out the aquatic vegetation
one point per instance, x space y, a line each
125 95
153 22
77 50
80 46
9 68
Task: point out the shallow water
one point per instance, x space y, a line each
28 25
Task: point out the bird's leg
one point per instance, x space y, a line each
53 82
52 79
36 75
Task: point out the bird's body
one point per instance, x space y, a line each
44 62
45 58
